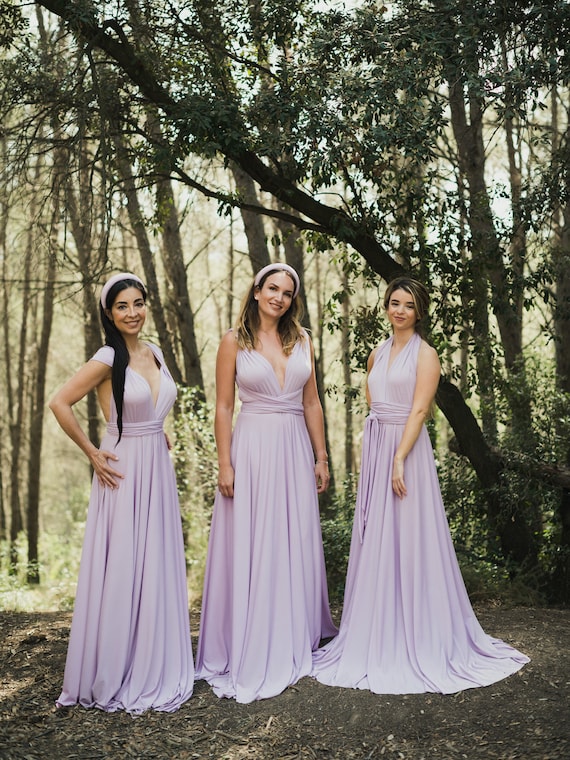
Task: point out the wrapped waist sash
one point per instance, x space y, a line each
381 414
134 429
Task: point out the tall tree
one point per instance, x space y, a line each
354 115
561 256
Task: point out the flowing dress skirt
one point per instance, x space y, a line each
130 646
265 602
407 623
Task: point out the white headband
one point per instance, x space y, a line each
113 280
278 267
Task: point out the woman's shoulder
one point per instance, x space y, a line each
230 337
427 353
229 343
105 355
374 355
426 347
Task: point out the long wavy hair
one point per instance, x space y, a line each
420 297
247 323
114 339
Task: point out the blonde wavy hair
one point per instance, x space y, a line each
247 323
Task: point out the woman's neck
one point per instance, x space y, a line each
268 326
133 344
401 337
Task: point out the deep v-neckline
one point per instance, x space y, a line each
265 359
158 363
390 363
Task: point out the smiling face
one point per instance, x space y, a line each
401 310
275 295
128 312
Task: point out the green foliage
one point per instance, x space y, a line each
196 473
366 324
544 441
12 22
337 532
58 571
352 104
486 576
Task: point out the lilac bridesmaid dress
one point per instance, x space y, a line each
407 623
129 646
265 602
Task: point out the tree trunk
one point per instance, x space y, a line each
16 404
252 223
3 523
173 257
347 378
515 534
488 264
487 257
79 214
37 400
5 312
38 409
561 247
486 250
145 251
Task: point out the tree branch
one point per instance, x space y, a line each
333 221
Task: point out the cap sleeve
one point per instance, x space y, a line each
105 355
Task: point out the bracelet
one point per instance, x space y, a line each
322 461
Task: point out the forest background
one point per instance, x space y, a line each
195 142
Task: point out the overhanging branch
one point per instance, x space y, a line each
328 219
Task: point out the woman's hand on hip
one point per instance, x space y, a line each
106 475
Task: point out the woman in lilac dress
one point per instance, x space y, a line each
129 646
265 602
407 624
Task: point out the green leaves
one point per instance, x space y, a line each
12 23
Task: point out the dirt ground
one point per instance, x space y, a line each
525 716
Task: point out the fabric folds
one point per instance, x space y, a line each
130 645
407 623
265 602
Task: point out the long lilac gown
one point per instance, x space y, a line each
129 646
265 602
407 624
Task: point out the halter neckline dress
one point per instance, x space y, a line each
407 623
